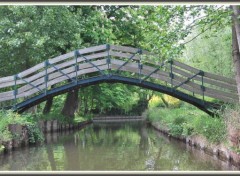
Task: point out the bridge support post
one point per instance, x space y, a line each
15 92
202 86
193 90
76 54
46 75
108 59
140 66
171 74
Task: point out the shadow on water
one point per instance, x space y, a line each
111 146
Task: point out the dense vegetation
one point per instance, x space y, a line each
186 120
32 34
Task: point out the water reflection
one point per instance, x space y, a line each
115 146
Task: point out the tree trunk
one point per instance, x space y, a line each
71 104
85 103
164 101
32 109
235 15
48 106
235 46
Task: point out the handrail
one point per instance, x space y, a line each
119 58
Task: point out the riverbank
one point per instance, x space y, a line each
23 135
198 130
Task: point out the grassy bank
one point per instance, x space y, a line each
186 120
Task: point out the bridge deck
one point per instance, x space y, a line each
111 60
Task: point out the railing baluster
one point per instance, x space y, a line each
88 61
59 70
76 54
202 86
46 76
140 66
108 58
15 90
193 89
188 79
160 66
171 74
131 58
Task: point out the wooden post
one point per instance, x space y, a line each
202 86
76 54
15 90
108 59
171 74
46 63
140 66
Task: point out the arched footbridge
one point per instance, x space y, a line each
115 64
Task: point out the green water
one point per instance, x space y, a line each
131 146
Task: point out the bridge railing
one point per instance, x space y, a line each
112 59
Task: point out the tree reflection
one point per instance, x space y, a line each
118 146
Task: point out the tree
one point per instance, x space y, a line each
236 44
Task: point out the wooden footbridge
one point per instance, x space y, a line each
112 64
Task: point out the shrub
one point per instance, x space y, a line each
10 117
34 133
189 120
214 129
155 101
188 129
231 116
175 130
172 102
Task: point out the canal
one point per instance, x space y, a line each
131 146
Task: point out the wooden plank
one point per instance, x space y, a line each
11 83
52 76
31 70
196 91
82 51
80 59
206 80
220 78
123 55
131 50
62 57
6 94
67 71
185 67
189 86
63 78
50 70
133 67
6 79
208 90
124 48
54 81
206 74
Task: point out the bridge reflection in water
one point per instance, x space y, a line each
111 63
